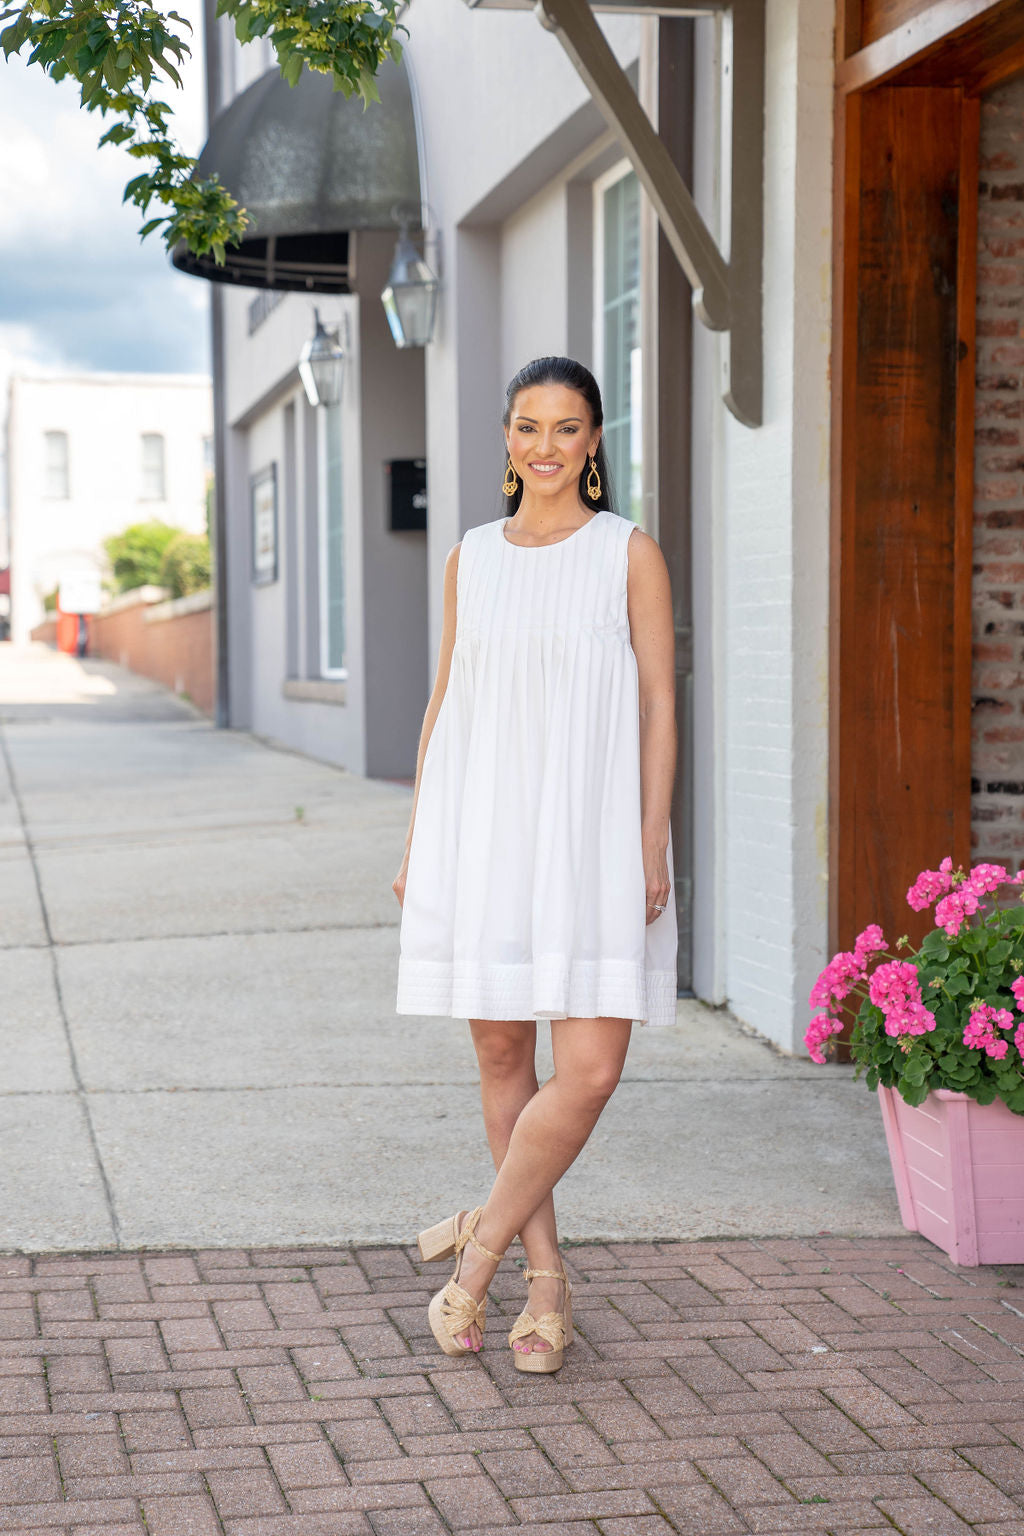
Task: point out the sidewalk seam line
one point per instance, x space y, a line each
80 1089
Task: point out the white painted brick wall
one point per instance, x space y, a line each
775 512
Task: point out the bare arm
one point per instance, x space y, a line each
652 635
444 661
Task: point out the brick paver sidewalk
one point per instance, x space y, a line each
775 1386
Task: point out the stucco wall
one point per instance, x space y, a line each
373 720
499 149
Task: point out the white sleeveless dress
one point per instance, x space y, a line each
525 895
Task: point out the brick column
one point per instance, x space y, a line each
997 767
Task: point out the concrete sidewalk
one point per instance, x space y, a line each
198 1038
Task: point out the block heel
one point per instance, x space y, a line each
454 1310
438 1242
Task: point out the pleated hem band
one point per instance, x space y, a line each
550 988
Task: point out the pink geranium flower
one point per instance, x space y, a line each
821 1027
980 1031
929 885
868 943
895 989
837 980
893 982
984 878
952 911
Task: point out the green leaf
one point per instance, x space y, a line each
955 985
999 951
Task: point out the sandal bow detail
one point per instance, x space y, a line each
555 1328
454 1310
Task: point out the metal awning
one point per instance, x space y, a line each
309 165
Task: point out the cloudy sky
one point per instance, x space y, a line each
77 288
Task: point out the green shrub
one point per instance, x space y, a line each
50 601
136 554
185 566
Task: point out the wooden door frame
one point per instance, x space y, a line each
964 47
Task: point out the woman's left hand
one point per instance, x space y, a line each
659 888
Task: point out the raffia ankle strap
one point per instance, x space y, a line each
467 1235
555 1328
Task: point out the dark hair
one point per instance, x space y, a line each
573 375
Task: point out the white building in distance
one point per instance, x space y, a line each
90 454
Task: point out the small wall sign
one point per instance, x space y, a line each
263 499
406 493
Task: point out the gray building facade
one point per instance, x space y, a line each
544 241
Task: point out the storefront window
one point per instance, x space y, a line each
332 549
153 471
55 466
618 333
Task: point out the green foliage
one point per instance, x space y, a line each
955 974
136 555
122 52
50 601
185 566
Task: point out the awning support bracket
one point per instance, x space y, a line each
726 290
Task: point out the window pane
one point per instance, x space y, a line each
334 548
153 467
621 341
55 465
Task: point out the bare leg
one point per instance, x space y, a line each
548 1136
506 1053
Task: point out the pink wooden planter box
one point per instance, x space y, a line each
959 1172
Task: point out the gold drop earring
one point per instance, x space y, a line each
510 484
593 480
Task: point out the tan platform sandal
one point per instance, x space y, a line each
555 1328
453 1310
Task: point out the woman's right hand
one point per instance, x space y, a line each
398 883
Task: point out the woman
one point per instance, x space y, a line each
537 877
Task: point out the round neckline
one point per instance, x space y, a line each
557 542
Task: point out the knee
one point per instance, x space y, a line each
595 1084
503 1054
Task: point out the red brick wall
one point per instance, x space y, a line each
997 787
177 651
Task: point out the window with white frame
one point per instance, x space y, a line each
617 330
56 485
154 486
332 545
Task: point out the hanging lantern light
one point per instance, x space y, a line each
321 364
410 298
